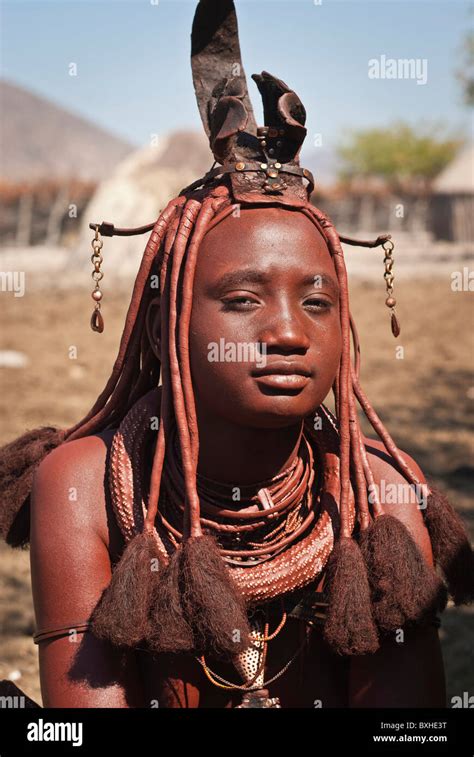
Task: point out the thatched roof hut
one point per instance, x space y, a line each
452 203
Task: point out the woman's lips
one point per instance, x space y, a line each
283 380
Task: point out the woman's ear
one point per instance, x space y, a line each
153 326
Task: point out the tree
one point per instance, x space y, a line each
466 74
400 156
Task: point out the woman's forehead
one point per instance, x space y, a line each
252 234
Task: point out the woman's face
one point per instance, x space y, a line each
265 337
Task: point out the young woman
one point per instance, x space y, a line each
229 542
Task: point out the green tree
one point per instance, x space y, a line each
466 74
401 156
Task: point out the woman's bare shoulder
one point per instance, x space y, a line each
385 463
400 498
70 485
71 551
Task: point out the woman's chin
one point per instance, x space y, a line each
281 411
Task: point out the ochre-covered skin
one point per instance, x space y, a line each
248 431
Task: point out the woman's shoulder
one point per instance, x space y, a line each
399 497
384 463
69 487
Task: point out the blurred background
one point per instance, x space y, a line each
99 122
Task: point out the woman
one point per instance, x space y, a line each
210 516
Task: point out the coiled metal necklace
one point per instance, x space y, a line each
265 518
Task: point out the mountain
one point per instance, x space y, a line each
322 162
41 140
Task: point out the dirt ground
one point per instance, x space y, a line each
425 398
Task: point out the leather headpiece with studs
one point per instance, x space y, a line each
262 162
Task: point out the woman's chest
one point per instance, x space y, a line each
300 671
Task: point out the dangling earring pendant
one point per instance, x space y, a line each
97 321
390 302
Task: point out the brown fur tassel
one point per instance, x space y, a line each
404 587
122 614
169 630
18 461
451 548
349 628
211 602
195 605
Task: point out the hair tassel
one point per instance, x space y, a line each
122 615
405 589
349 627
18 462
451 548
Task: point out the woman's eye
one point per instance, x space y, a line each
317 304
239 303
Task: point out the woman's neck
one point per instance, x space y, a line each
230 453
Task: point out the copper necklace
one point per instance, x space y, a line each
269 515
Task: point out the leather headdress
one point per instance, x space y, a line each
262 161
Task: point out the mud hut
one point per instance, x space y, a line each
452 200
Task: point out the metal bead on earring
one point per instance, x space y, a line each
388 247
97 320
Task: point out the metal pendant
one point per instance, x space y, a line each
248 663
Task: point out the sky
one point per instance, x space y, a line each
134 76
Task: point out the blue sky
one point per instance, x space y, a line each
134 75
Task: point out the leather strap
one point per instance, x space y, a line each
367 242
107 229
243 167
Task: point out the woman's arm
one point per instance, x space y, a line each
70 567
407 670
404 673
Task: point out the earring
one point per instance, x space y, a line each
97 321
390 302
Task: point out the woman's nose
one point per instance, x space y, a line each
285 331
